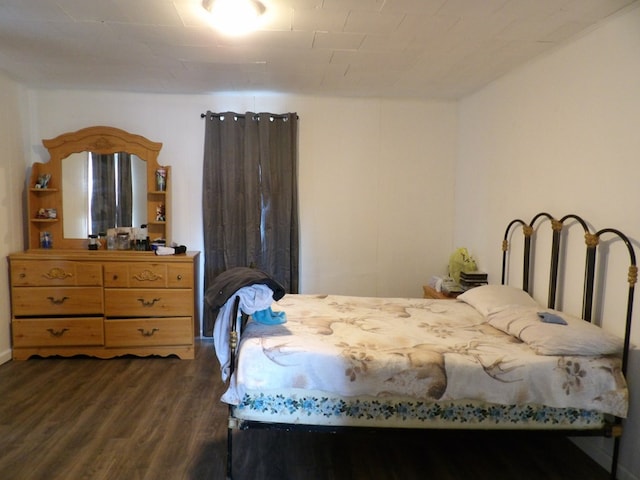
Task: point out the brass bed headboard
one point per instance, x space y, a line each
592 240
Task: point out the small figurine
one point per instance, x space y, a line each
47 213
160 215
45 240
43 180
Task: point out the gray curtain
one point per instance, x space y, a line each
250 197
124 210
103 195
109 210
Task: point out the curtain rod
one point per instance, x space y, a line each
242 115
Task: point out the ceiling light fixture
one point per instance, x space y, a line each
234 17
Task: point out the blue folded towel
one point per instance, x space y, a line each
269 317
548 317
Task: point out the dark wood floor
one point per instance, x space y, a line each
160 419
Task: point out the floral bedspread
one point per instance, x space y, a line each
429 350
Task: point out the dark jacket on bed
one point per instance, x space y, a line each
227 283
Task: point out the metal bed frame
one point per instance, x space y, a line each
612 429
592 240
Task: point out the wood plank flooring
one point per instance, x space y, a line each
160 419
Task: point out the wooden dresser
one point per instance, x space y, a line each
103 303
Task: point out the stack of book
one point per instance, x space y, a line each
472 279
451 288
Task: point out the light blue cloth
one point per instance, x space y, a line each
269 317
548 317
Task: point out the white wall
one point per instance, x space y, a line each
12 184
376 177
559 135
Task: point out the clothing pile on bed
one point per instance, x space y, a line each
256 291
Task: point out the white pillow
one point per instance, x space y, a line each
489 297
578 337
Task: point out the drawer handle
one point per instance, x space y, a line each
179 277
148 333
57 301
148 303
57 333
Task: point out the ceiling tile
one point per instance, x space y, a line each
360 5
428 7
372 22
338 41
320 20
474 8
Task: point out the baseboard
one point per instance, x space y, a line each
602 457
5 356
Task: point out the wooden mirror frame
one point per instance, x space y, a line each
98 139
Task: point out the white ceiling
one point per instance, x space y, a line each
384 48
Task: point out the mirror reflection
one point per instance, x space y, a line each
102 191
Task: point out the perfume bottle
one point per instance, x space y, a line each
161 179
93 242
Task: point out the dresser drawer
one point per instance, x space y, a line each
143 275
141 332
35 301
180 275
35 332
146 302
55 273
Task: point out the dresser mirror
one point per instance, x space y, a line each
94 198
97 178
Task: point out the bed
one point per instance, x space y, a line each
494 358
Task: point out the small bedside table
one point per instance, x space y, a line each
430 292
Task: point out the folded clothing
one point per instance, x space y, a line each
549 317
269 317
171 250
